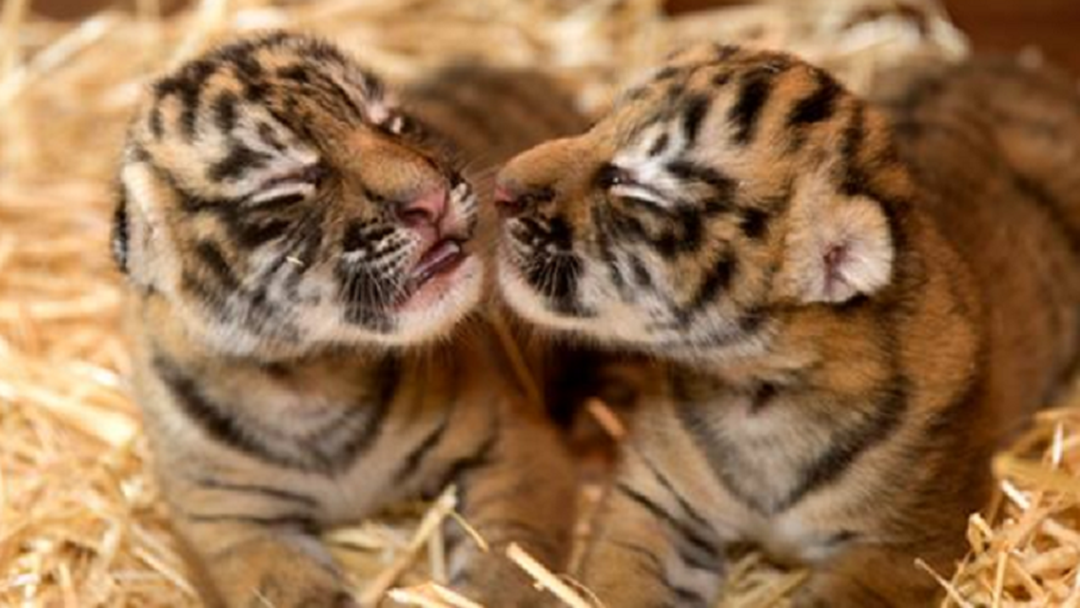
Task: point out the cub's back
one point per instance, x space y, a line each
997 146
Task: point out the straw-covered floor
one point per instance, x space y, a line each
80 519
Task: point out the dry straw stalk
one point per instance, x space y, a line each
81 522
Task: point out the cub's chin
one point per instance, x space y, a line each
444 296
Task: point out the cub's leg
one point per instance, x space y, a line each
257 546
519 488
872 577
650 548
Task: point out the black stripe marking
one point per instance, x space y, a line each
247 68
659 145
279 203
746 112
327 451
691 409
679 498
725 52
685 532
415 458
602 223
238 161
642 278
225 111
300 522
157 122
853 180
819 105
762 396
1055 209
754 223
255 234
188 85
697 108
849 443
556 278
260 490
723 186
667 73
304 75
654 566
717 281
268 137
211 417
120 231
468 465
383 380
214 260
688 598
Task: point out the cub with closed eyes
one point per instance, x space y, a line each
847 318
304 259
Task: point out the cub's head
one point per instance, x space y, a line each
728 190
277 198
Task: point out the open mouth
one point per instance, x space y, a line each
442 258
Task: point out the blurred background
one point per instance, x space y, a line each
1003 25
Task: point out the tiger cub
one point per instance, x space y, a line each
305 267
846 319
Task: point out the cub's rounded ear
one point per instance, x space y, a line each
140 242
837 247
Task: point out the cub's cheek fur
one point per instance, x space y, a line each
288 388
919 293
836 247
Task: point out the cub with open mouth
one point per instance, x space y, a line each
305 272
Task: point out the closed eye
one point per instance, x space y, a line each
620 183
288 189
640 193
281 195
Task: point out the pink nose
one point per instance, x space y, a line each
428 209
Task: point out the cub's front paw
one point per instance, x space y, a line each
825 590
281 593
493 580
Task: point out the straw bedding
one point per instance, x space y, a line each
80 519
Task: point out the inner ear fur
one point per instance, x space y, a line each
836 247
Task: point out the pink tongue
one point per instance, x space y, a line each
440 256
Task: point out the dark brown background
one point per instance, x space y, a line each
1003 25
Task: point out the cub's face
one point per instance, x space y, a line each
279 200
709 200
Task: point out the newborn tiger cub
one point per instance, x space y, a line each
305 267
846 320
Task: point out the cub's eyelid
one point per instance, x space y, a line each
639 192
295 185
282 192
